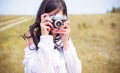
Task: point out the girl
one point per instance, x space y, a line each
49 49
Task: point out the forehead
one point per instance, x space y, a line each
56 12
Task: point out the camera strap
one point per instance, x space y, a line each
58 43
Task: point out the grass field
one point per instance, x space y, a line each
96 38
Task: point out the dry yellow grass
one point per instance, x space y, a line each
96 38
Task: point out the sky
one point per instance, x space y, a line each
30 7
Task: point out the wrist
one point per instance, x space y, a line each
66 45
43 32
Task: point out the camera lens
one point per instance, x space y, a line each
58 23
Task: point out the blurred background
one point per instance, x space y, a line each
95 33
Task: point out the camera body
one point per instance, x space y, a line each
58 20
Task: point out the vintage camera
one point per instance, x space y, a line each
58 20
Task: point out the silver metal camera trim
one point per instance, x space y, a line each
59 17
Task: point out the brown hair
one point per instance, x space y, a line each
45 7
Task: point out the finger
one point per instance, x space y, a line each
65 28
47 24
45 18
67 22
48 19
66 25
48 28
44 15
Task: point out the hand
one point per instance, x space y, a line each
64 32
46 24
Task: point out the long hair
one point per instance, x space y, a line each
45 7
